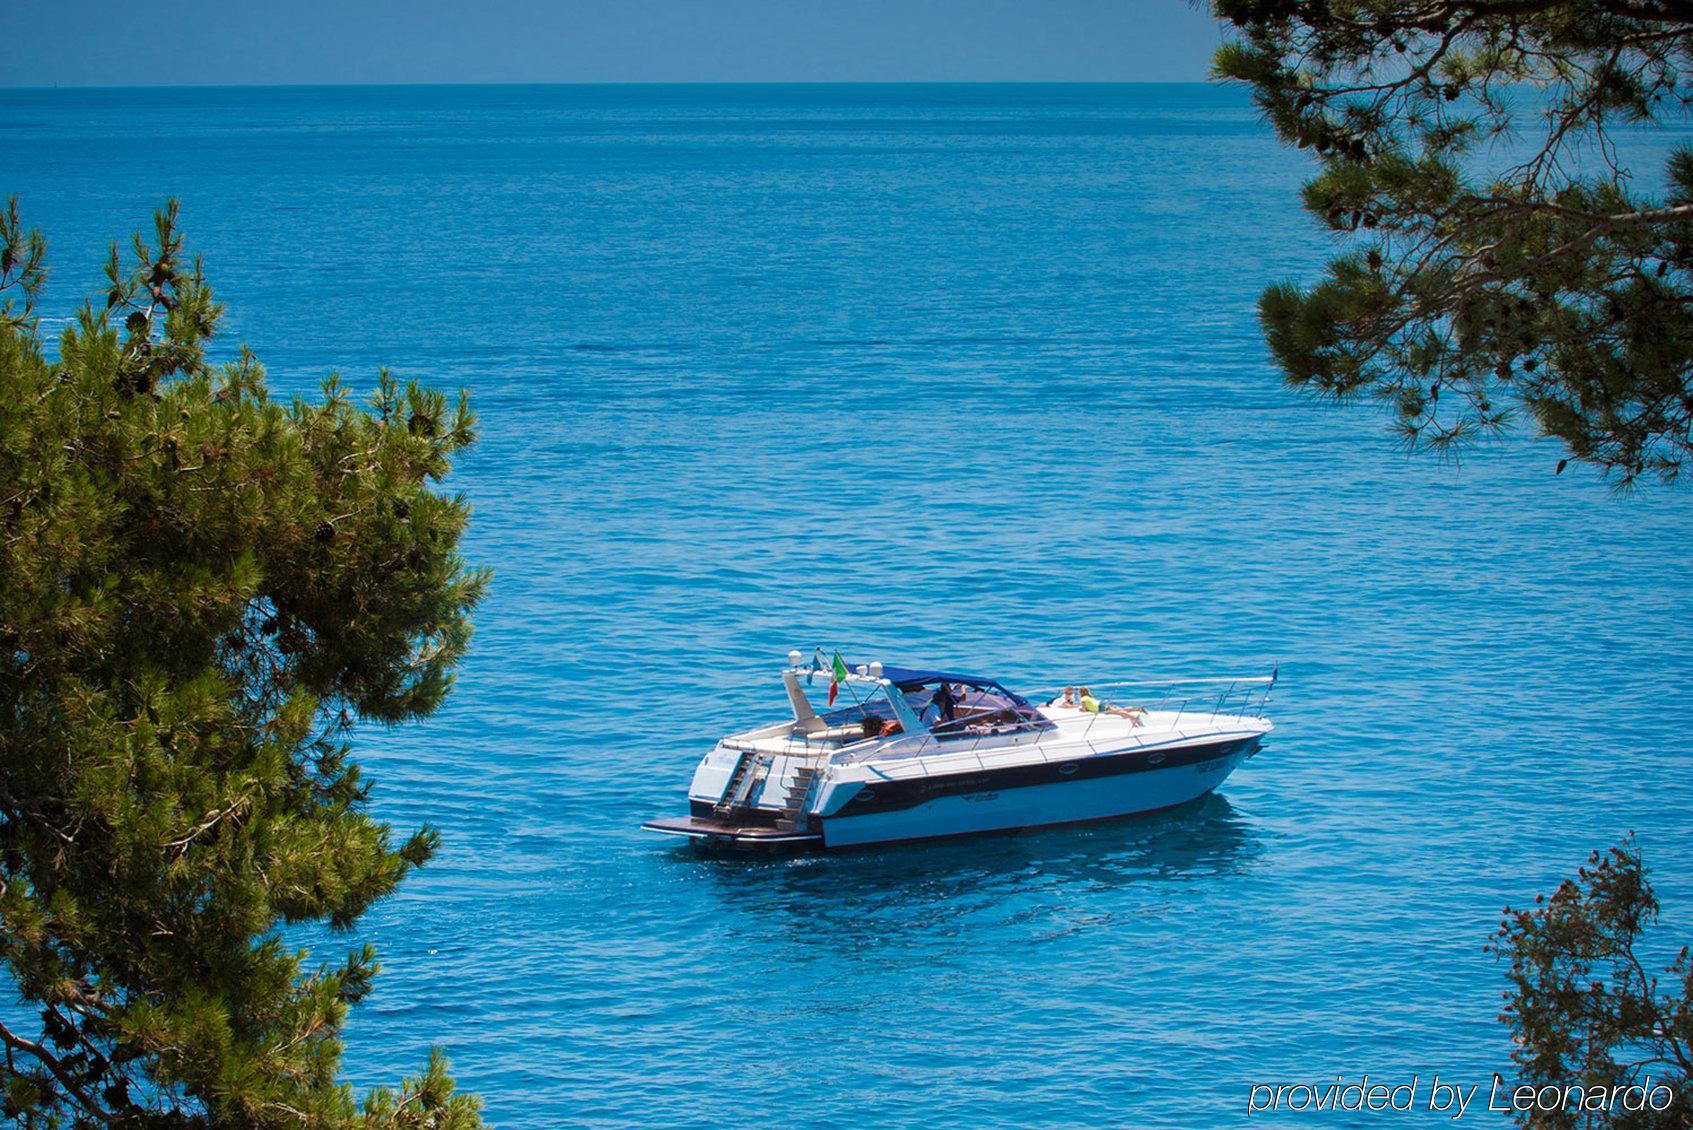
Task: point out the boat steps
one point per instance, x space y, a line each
740 782
792 816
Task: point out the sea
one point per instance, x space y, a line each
962 376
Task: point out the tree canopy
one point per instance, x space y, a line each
1584 1007
202 590
1504 259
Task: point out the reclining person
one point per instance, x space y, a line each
1092 705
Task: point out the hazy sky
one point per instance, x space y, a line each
104 43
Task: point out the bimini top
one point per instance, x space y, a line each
908 679
905 679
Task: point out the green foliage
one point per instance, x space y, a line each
1582 1007
202 589
1549 285
22 269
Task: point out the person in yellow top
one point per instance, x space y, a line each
1093 706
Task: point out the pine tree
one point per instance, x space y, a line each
1585 1011
202 590
1482 281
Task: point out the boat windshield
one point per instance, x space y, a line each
884 704
950 708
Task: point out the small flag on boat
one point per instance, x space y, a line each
837 676
816 665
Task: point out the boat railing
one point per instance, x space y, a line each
1202 700
906 746
1215 698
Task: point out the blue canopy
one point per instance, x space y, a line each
909 678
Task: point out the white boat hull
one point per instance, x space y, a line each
1032 806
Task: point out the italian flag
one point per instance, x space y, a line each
837 676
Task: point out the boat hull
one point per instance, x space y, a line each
997 808
945 805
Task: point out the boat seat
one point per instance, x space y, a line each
795 745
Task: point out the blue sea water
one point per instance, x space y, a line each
951 375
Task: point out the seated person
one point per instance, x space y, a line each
875 727
942 708
1094 706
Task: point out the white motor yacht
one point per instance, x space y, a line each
904 754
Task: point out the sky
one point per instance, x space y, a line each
224 42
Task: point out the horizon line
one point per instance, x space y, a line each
611 83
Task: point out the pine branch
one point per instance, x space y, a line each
56 1069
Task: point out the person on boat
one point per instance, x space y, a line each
1067 699
875 727
1094 706
941 708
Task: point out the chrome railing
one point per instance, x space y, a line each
1212 698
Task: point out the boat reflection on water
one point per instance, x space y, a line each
876 894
